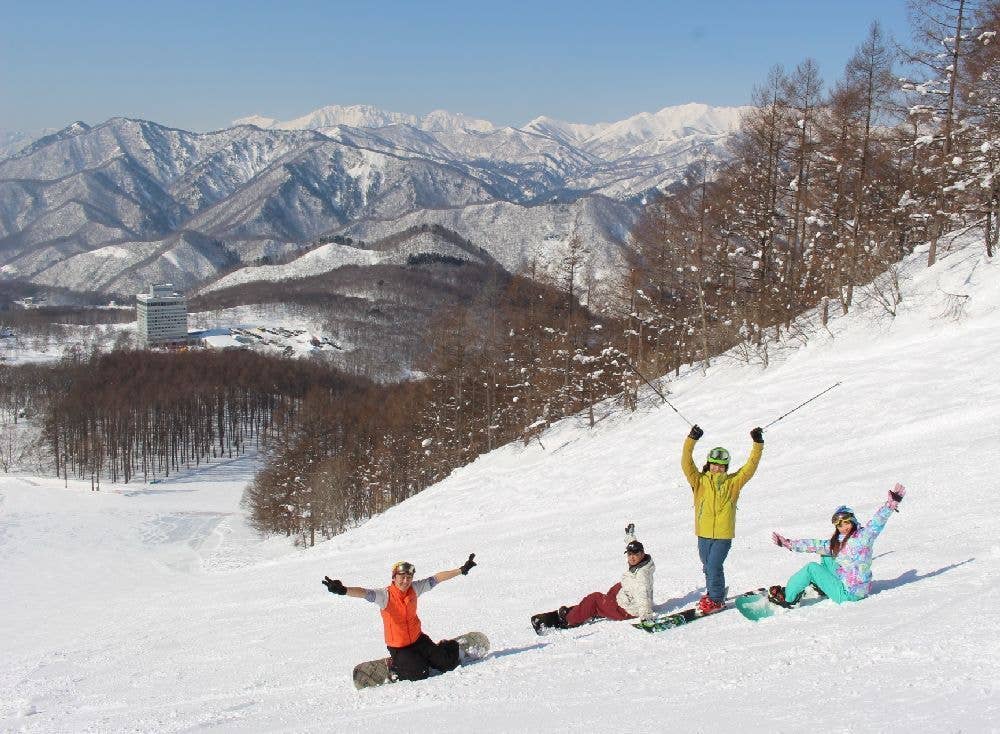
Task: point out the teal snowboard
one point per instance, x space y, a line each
755 606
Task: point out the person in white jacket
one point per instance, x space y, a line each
630 598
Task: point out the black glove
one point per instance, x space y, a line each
757 434
467 566
696 432
630 529
335 586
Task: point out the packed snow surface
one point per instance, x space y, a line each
153 607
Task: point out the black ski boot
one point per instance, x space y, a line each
544 621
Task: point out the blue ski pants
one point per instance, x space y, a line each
824 575
713 552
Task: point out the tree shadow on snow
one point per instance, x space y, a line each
909 577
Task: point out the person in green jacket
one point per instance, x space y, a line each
716 492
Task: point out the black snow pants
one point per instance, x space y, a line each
413 662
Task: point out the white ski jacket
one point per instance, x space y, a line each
636 594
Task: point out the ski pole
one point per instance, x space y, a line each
662 396
801 404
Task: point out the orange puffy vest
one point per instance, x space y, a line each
402 626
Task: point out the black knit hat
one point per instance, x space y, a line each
634 547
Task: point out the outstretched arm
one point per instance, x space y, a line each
336 586
804 545
463 570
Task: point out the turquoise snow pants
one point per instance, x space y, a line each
824 575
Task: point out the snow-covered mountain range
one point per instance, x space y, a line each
112 207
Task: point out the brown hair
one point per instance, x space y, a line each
836 543
704 469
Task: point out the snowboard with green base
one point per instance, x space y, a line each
471 646
660 622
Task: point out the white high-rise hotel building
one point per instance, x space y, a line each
161 317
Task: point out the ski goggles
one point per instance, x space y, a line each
839 518
402 568
718 456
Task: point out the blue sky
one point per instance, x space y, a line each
199 65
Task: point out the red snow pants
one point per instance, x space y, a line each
597 605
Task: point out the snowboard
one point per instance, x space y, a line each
660 622
371 673
755 606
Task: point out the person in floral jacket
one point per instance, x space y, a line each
845 572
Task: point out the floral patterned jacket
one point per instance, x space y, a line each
854 561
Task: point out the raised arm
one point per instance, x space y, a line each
687 456
877 524
745 472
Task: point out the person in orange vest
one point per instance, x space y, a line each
413 653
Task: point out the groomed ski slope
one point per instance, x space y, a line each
154 608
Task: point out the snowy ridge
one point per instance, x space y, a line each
570 132
266 189
369 116
163 612
517 237
332 256
670 123
13 142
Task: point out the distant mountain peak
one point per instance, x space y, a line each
256 120
442 120
369 116
574 133
72 130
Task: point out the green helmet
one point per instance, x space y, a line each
718 455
